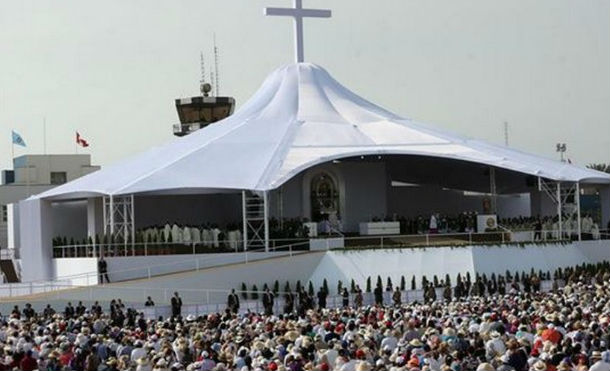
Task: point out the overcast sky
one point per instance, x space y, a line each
112 69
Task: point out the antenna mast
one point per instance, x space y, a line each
506 133
202 81
215 80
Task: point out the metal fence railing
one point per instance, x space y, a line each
203 301
383 241
197 263
166 248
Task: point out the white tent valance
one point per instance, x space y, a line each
300 117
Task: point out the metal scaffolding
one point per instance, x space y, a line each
255 213
567 199
119 219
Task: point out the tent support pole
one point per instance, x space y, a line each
133 224
559 221
577 199
266 219
244 220
111 209
105 214
492 189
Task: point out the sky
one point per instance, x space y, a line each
112 69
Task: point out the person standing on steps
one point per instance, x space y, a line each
102 268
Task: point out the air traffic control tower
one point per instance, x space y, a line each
198 112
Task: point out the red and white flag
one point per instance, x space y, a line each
81 141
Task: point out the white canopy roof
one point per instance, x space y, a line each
300 117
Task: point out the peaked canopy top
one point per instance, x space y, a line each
300 117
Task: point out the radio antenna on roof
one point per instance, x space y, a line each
215 80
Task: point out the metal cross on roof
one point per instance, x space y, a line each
298 13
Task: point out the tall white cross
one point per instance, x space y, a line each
298 13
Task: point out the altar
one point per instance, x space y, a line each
379 228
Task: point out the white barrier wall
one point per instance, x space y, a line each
346 265
83 271
393 263
133 267
76 271
211 285
192 285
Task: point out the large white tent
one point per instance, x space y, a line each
300 117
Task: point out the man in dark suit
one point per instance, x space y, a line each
268 302
102 268
322 294
176 303
378 292
69 311
233 302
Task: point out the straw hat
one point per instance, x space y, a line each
291 335
540 366
364 366
485 367
112 361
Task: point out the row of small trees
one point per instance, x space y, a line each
106 240
559 273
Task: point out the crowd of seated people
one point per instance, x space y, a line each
548 227
566 329
439 223
205 234
231 235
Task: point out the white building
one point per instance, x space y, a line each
31 175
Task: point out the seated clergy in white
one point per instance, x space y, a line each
240 240
186 235
195 235
556 230
595 231
176 234
167 230
206 237
567 229
215 234
232 238
574 227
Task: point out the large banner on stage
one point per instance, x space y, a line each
487 222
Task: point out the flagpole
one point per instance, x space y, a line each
44 134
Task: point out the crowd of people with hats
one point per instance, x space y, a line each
566 329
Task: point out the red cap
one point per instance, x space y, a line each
272 366
324 366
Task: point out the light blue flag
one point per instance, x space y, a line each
18 140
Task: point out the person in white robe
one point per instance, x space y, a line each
567 229
186 235
574 228
595 231
240 240
167 230
196 235
215 234
206 237
176 234
232 237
